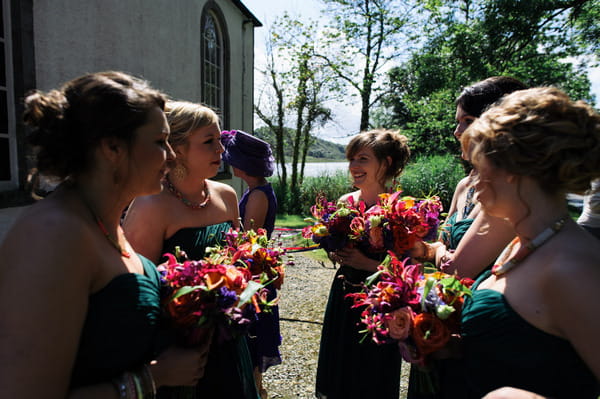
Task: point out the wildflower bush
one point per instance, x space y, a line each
423 177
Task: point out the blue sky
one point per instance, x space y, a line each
347 117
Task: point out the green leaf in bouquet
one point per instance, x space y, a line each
250 290
371 279
186 290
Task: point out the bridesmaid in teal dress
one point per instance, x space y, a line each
532 324
469 240
193 213
347 367
80 309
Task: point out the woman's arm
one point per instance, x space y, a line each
356 259
570 289
45 279
460 190
512 393
480 246
256 210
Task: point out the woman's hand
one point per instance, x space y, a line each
355 258
427 252
180 366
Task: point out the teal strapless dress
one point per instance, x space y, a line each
229 371
120 329
445 377
503 349
453 231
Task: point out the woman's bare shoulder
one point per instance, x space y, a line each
216 186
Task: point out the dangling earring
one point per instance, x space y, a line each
179 171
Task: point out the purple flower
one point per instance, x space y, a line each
226 298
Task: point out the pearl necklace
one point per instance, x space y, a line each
500 268
186 202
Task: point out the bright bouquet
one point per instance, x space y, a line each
201 295
394 224
419 311
253 252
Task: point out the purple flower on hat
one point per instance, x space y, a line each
247 153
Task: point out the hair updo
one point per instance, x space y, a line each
542 134
384 143
67 124
475 99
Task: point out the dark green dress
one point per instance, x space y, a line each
120 329
347 368
229 372
443 378
503 349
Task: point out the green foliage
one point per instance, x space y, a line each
433 175
300 201
290 221
469 41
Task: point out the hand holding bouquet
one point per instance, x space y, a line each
394 224
418 311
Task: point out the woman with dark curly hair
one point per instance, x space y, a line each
80 308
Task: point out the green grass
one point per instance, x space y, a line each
297 222
290 221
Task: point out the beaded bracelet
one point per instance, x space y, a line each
136 385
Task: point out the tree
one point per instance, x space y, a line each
300 87
362 37
469 40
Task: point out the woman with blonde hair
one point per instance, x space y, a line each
193 213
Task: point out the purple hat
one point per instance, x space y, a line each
247 153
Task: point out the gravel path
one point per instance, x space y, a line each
303 298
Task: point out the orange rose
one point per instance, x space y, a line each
429 333
234 279
400 323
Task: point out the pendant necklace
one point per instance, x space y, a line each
114 242
186 202
500 268
110 239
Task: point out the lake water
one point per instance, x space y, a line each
313 169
